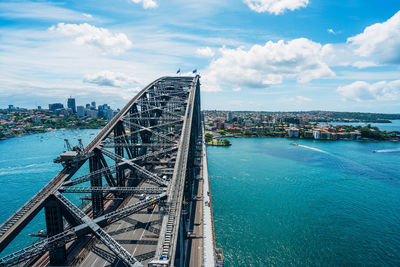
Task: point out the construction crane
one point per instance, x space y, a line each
72 155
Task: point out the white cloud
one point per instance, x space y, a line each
275 6
261 66
89 16
237 89
380 40
364 64
362 91
205 52
146 3
109 78
331 31
92 36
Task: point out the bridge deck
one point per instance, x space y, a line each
138 234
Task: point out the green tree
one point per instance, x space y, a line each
209 137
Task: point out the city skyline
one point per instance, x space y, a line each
341 56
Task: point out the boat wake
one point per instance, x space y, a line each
387 150
315 149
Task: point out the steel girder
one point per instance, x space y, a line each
128 190
61 239
152 127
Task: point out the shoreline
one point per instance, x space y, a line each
318 140
46 131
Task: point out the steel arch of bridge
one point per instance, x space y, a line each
156 132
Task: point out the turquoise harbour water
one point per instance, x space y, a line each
26 165
275 204
316 204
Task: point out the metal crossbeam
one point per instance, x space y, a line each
153 145
69 235
142 170
130 190
38 248
107 240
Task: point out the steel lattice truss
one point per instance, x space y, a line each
149 140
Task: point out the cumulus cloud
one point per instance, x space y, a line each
146 3
261 66
205 52
362 91
380 40
92 36
109 78
275 6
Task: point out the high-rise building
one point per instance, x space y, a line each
39 107
229 116
55 106
71 104
81 111
92 114
94 105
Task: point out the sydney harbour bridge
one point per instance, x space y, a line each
147 201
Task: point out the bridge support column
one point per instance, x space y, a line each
95 180
54 225
119 150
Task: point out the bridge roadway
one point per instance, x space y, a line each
137 233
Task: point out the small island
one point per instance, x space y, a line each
211 141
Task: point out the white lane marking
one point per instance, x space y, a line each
144 231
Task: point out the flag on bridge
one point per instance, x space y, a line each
178 71
195 71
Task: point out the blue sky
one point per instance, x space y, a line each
272 55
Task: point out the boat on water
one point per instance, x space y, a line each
294 144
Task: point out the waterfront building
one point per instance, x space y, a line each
293 132
308 134
325 135
317 134
71 104
355 135
81 111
